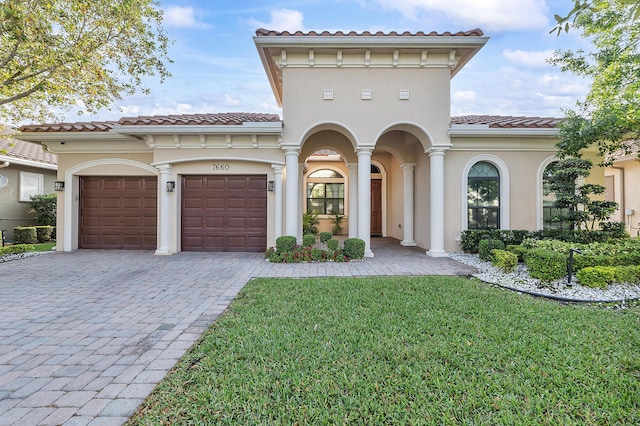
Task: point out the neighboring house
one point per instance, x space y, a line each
25 170
375 106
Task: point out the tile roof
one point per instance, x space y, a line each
222 119
26 151
508 122
263 32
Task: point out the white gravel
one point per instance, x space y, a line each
16 256
521 281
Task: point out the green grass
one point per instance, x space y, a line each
424 350
44 246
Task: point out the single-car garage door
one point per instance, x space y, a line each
224 213
118 212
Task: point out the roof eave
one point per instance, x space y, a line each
29 163
264 128
475 130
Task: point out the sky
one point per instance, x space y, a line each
217 68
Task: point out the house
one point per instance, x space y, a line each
25 170
620 180
366 133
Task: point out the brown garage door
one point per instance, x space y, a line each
224 213
118 212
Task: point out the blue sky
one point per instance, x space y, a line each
217 69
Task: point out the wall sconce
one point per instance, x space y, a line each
171 185
271 186
58 185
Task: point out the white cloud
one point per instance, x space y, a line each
229 101
528 59
464 95
493 15
181 17
281 20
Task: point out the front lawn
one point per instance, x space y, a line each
420 350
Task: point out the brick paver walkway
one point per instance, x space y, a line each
86 336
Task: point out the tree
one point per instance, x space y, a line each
563 23
608 117
84 54
573 200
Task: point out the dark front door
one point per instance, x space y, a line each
376 207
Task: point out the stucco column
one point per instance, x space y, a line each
408 204
277 192
291 191
164 212
436 165
364 198
353 199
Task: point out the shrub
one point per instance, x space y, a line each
518 250
308 240
596 276
504 260
44 233
470 239
318 255
546 265
44 206
25 235
485 247
309 222
268 253
333 244
614 229
325 236
15 249
628 274
286 243
337 223
354 248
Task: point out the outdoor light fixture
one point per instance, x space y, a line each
58 185
171 185
270 186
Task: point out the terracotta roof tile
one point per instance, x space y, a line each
477 32
92 126
222 119
26 151
508 122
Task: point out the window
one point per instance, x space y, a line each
325 192
30 184
483 196
548 198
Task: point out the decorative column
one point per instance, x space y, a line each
436 165
408 204
291 191
364 198
277 188
164 212
353 199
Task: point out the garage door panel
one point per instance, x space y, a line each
227 208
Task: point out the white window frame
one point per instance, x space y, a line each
30 184
505 184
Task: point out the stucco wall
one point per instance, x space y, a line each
627 176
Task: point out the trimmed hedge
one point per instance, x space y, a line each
25 235
581 261
15 249
485 248
354 248
602 276
504 260
286 243
333 244
546 265
44 233
325 236
308 240
519 251
470 239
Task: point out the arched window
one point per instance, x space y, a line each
325 192
483 196
548 198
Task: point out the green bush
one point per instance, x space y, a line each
596 276
615 229
308 240
25 235
325 236
44 233
470 239
333 244
354 248
504 260
318 255
485 247
309 222
546 265
286 243
44 206
617 259
15 249
628 274
518 250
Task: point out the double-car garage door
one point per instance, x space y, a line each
219 213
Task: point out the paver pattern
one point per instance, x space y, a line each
86 336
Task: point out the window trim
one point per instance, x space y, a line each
503 170
23 195
343 180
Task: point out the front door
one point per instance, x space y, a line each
376 207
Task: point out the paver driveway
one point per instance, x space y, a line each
86 336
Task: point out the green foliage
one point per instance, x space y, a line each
25 235
308 240
546 265
614 229
333 244
485 248
337 220
519 250
504 260
16 249
354 248
470 238
286 243
44 233
597 276
59 54
44 206
318 255
309 223
325 236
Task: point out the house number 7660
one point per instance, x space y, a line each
220 167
